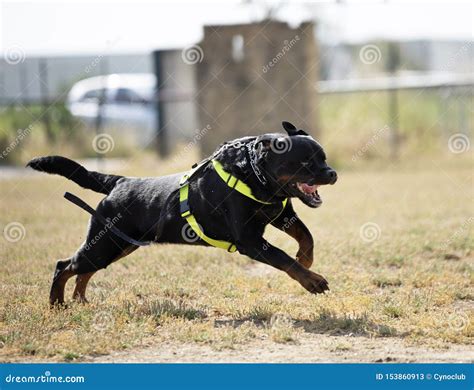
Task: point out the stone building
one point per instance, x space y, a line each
253 76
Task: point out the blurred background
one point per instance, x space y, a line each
382 80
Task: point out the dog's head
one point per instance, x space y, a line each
297 163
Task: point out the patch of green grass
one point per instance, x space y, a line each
341 347
157 309
71 356
340 324
396 262
393 311
283 335
257 313
383 281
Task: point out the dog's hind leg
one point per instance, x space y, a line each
82 279
81 285
93 257
100 249
61 275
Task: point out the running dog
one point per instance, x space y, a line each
226 201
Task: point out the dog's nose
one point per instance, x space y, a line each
332 176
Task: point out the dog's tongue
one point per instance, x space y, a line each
308 189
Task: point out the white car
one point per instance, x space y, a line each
128 105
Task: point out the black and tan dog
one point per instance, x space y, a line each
270 167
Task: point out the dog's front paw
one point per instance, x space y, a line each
314 283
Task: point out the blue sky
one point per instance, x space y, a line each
70 27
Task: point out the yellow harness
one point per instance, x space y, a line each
233 183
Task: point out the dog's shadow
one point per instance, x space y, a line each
326 322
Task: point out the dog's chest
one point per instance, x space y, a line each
266 214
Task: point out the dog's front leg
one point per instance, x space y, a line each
259 249
302 235
290 223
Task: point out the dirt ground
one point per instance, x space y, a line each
310 349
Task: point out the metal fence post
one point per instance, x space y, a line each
44 91
100 110
393 108
161 130
23 80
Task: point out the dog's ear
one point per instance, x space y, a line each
290 128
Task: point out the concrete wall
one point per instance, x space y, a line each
252 77
180 114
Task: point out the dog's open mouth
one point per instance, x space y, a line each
309 194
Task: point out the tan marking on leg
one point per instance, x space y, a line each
305 241
81 285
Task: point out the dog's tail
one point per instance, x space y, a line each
71 170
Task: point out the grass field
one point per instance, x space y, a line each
394 241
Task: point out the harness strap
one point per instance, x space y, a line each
189 174
233 183
238 185
107 223
191 220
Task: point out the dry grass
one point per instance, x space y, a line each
413 282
